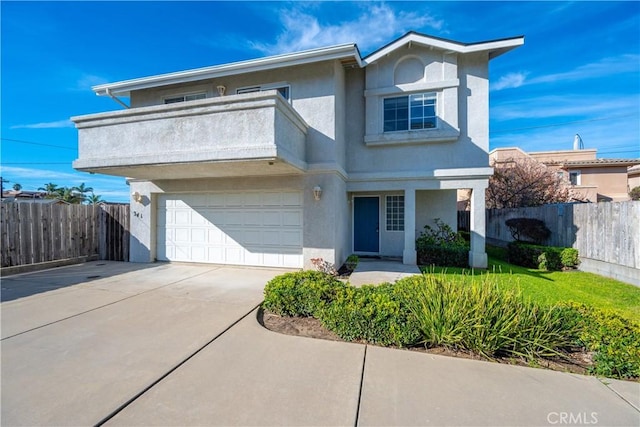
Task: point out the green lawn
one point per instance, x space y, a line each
557 286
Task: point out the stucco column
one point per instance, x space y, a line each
478 254
409 253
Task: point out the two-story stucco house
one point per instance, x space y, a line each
320 153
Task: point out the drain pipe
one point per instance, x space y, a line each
115 98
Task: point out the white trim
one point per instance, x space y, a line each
495 48
353 225
413 87
123 88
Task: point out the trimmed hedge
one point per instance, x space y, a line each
376 314
300 293
441 246
443 256
547 258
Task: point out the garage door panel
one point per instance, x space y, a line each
292 199
181 235
271 218
234 199
292 218
253 218
182 217
252 228
291 238
198 235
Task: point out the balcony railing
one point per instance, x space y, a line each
194 137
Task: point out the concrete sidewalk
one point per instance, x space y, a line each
179 344
371 271
252 376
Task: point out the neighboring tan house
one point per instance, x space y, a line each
590 178
633 174
320 153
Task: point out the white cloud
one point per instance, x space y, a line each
376 25
569 105
508 81
46 125
602 68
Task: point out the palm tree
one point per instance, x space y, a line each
83 190
17 187
51 189
94 199
70 195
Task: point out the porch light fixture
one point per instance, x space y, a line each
221 90
137 197
317 192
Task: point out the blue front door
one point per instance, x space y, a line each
366 224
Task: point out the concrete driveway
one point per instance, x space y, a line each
169 344
90 337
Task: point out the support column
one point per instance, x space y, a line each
478 254
409 254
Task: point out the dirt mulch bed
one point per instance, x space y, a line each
577 362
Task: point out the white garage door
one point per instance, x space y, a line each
248 228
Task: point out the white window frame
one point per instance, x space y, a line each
577 174
265 87
395 221
184 96
429 95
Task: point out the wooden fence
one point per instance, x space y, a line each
35 233
606 235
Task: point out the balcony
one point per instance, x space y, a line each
237 135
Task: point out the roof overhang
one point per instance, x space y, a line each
124 88
600 163
493 47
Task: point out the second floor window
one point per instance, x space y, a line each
574 177
284 90
183 98
411 112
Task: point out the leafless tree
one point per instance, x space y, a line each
525 182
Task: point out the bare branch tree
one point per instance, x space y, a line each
523 183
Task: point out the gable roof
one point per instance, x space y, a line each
349 53
493 47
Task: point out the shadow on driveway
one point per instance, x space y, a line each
27 284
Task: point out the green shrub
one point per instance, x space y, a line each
443 256
352 262
550 259
483 318
376 314
635 193
441 246
300 293
614 339
569 257
547 258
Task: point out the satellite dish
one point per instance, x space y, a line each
577 143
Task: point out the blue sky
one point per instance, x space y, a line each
578 72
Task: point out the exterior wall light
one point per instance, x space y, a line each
317 192
221 90
137 197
